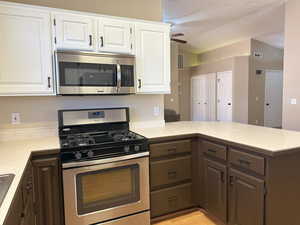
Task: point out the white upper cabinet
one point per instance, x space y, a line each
115 36
75 32
152 58
25 56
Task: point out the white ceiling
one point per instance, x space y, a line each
208 24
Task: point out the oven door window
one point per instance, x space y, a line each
127 76
87 74
107 188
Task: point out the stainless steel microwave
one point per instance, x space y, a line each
84 73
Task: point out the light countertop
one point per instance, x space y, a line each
269 141
15 154
14 158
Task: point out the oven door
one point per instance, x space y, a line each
103 192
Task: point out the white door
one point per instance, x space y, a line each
224 96
115 36
203 97
153 58
75 32
25 56
273 98
199 99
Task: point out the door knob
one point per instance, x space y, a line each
267 104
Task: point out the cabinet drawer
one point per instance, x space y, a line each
215 150
170 171
170 148
247 161
171 199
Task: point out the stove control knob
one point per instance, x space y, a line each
126 148
137 148
90 154
65 144
78 155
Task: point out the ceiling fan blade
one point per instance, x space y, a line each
178 40
177 34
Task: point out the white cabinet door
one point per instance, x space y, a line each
273 98
75 32
115 36
25 56
153 58
224 96
203 97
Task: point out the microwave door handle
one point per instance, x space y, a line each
118 77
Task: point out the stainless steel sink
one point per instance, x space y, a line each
5 182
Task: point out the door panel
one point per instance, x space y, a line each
215 180
246 199
224 96
203 97
115 36
75 32
273 98
153 58
26 66
48 191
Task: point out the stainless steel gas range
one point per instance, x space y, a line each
105 168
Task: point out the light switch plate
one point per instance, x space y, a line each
156 111
293 101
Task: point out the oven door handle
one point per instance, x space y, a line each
103 161
119 79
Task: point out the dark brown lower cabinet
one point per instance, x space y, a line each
215 183
21 211
47 177
171 199
246 199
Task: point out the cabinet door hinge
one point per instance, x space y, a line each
54 22
55 41
131 46
130 30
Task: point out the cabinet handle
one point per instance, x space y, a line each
212 151
49 82
245 162
102 41
172 150
91 39
140 83
222 176
172 174
231 180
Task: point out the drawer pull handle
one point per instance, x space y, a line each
231 180
172 198
244 162
172 151
172 201
222 177
212 151
172 174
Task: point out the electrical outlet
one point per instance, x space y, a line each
15 118
156 111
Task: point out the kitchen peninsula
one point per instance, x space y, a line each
256 164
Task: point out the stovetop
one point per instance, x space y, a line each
91 134
76 140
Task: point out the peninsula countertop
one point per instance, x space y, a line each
272 142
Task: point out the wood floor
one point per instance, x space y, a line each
193 218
